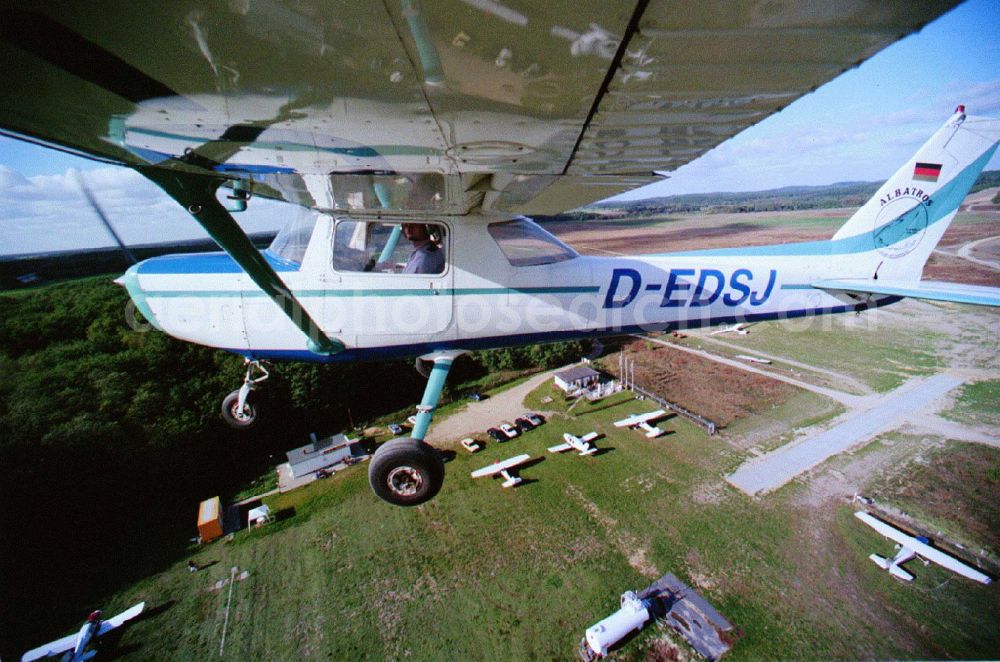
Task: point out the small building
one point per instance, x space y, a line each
576 378
210 519
323 453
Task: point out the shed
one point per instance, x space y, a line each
210 519
575 378
323 453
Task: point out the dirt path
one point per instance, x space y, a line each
478 416
965 252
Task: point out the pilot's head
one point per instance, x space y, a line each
415 231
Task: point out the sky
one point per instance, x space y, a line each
859 127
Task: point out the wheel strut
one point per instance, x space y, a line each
432 392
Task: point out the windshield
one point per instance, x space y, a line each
525 244
292 241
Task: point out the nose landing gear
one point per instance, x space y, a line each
239 409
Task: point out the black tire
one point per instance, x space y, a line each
239 420
406 472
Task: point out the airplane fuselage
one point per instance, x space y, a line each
480 298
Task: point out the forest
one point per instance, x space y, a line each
112 436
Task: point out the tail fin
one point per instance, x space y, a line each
893 234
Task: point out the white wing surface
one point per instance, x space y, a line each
497 467
120 619
445 106
51 649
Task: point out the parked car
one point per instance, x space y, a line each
536 419
475 396
509 430
395 428
470 444
496 434
412 420
523 425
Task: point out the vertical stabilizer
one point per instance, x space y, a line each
893 234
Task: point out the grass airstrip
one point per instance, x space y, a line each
486 573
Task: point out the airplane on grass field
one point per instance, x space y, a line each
642 421
581 444
503 467
911 546
449 123
741 329
74 648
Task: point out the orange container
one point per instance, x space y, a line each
210 519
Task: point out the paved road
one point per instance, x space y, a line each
773 470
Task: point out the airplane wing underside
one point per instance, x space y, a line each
423 107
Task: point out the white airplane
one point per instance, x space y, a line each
642 421
910 546
735 328
503 468
581 444
73 648
396 119
753 359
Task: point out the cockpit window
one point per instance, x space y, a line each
525 244
401 248
292 241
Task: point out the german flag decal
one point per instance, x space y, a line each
927 172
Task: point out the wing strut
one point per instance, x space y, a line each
196 193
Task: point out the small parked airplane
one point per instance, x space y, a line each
642 421
581 444
753 359
910 546
735 328
503 468
73 648
398 119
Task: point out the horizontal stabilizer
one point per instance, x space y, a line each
899 573
880 561
924 289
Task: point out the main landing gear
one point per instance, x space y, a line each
407 471
239 409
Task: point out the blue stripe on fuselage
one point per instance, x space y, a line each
207 263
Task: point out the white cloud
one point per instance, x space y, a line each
50 213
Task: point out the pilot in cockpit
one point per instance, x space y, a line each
427 256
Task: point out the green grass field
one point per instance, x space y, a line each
880 355
977 403
485 573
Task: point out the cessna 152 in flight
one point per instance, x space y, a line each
458 119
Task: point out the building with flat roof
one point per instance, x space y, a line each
575 378
323 453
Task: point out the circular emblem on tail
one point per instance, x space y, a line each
900 225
